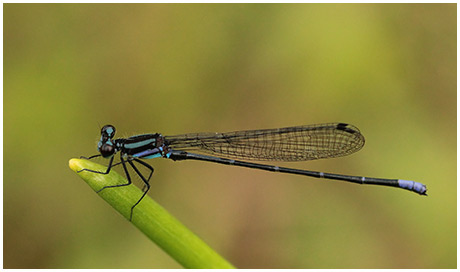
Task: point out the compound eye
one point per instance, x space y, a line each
107 150
108 131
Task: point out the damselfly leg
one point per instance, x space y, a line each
146 186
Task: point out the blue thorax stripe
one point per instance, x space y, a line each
139 143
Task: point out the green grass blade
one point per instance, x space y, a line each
150 218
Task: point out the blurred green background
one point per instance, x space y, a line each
390 70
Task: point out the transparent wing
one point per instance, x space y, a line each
299 143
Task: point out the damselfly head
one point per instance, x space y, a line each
105 145
108 131
107 149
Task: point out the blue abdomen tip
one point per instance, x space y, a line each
412 186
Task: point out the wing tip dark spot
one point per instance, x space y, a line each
347 128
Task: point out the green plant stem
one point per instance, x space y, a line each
150 218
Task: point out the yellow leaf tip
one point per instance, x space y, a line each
75 164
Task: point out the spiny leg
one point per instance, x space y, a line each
122 161
89 158
98 172
148 166
146 182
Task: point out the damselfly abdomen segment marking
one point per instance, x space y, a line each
301 143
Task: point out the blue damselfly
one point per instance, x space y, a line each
301 143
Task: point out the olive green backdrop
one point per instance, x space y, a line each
390 70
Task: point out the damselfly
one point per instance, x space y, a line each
289 144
